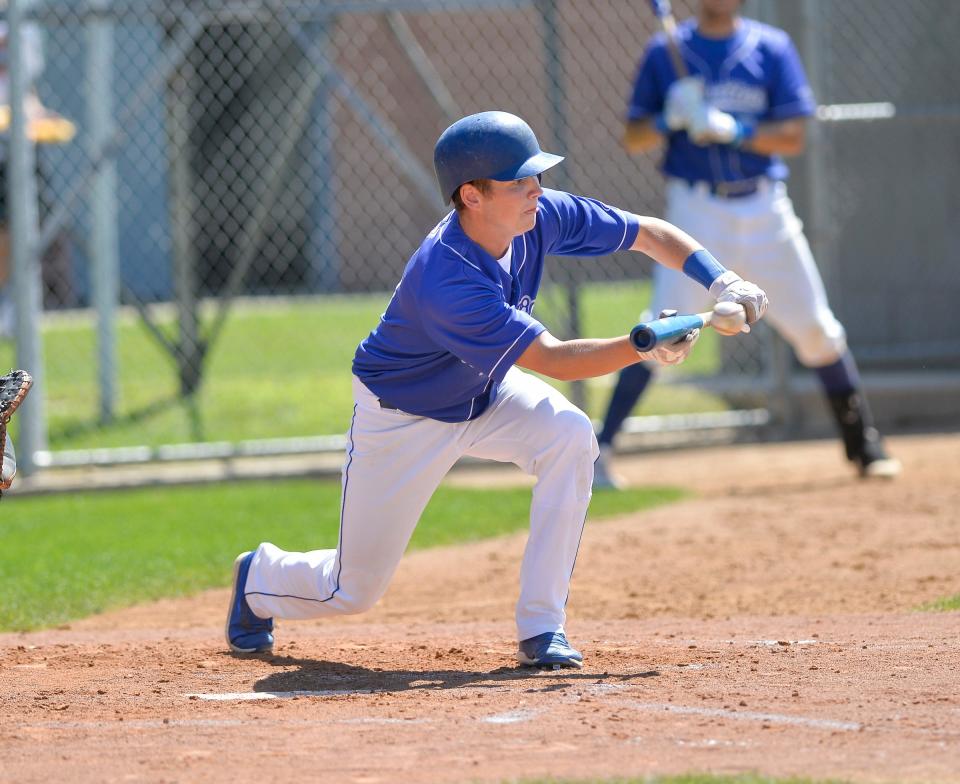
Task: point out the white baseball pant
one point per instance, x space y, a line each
761 238
395 461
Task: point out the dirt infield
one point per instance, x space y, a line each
766 625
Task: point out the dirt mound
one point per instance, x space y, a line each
768 624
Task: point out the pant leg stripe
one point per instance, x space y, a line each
343 503
573 566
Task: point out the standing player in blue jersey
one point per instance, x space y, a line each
726 125
440 378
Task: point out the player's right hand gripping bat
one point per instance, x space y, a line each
727 318
13 389
663 12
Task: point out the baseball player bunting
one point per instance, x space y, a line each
726 127
443 375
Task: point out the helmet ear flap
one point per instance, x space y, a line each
488 146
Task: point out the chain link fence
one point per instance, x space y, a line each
246 180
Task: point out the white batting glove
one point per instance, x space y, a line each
674 353
712 126
730 287
683 102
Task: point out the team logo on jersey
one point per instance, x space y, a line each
738 97
526 304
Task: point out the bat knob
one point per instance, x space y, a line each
643 337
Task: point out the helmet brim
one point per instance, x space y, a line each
536 164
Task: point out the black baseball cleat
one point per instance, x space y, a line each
875 464
861 440
549 651
246 632
871 458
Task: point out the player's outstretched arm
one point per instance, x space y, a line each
664 243
674 248
572 360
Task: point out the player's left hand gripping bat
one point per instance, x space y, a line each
727 318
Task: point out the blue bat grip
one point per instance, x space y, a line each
646 337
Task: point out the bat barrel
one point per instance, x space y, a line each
646 336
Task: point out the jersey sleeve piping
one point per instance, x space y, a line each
524 261
531 333
631 224
458 253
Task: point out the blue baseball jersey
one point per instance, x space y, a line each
755 75
458 321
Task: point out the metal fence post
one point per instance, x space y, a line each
557 119
183 214
25 250
104 241
324 257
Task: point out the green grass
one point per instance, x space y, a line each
945 604
281 368
67 556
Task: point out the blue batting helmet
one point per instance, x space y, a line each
489 145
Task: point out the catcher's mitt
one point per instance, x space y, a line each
13 389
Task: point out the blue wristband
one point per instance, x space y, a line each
745 132
660 123
703 268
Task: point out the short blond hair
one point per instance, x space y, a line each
482 185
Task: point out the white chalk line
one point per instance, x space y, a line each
782 643
712 743
138 724
766 718
250 696
770 718
513 717
160 724
509 717
519 716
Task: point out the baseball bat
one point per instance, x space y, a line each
664 13
728 318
